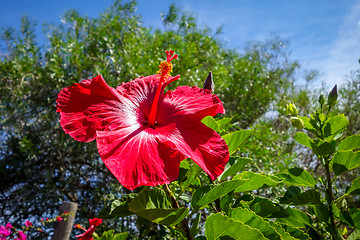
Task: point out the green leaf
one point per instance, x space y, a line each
266 208
190 176
256 180
121 236
284 235
118 208
296 218
344 161
307 124
223 122
235 139
154 206
297 176
294 196
211 123
195 225
355 235
355 187
322 212
255 221
322 148
204 196
350 143
295 232
233 166
218 226
303 139
335 125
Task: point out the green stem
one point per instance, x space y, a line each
175 205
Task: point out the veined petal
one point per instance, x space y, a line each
92 106
141 92
139 156
189 102
200 143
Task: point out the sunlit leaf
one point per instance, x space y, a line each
204 196
256 180
298 177
154 206
335 125
235 139
350 143
344 161
233 166
303 139
218 226
211 123
255 221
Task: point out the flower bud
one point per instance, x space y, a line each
209 83
297 122
291 109
333 95
322 99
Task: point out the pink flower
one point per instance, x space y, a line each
21 236
87 235
142 134
28 223
4 232
59 219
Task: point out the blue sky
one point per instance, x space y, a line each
323 35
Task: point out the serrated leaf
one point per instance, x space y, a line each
284 235
303 139
295 232
267 209
256 180
204 196
211 123
233 166
350 143
253 220
235 139
295 196
218 226
154 206
297 176
296 218
335 125
344 161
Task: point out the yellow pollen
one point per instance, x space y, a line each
165 68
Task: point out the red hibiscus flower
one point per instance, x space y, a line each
142 133
88 234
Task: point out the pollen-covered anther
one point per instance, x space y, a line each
165 68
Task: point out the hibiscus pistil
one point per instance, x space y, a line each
165 78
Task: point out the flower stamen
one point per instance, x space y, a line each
165 69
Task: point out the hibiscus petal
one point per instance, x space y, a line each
141 91
139 156
92 106
189 102
200 143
